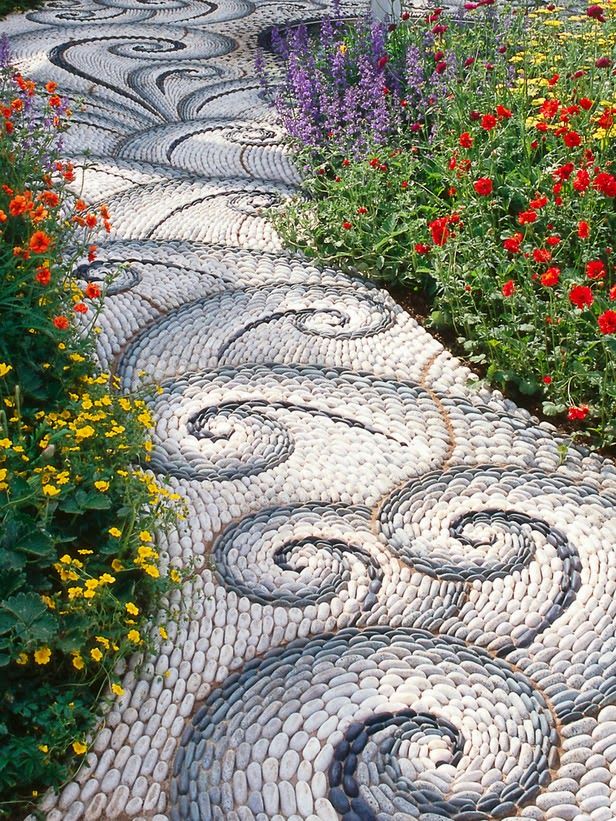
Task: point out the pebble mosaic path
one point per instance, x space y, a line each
404 601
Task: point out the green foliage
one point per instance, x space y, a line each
503 215
79 574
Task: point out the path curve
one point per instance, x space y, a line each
409 610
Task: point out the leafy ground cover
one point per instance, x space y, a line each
79 571
470 158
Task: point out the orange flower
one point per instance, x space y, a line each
50 198
3 217
91 253
92 291
39 213
61 322
80 205
55 101
91 220
81 308
39 242
8 126
17 104
43 275
20 204
104 212
50 87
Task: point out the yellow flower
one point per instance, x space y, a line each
51 490
102 486
115 532
89 594
22 658
174 575
42 655
102 640
146 552
134 636
3 473
125 404
78 662
96 654
62 478
122 472
131 608
145 536
79 748
92 584
43 748
75 592
106 578
151 570
48 602
84 433
117 689
163 633
4 369
66 559
116 565
84 552
5 443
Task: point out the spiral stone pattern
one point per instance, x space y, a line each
401 598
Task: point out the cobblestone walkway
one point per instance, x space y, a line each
410 607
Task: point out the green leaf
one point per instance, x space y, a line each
26 615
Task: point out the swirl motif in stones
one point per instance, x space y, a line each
401 721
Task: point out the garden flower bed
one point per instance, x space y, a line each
442 155
79 571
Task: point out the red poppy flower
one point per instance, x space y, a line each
61 322
542 255
508 288
606 120
503 112
586 103
612 293
465 140
581 296
564 172
603 62
551 277
91 253
607 322
553 80
572 139
483 186
553 240
439 230
422 248
43 275
347 225
596 13
549 108
526 217
605 183
547 380
81 308
583 229
595 269
469 60
576 413
539 202
488 122
512 244
582 180
39 242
